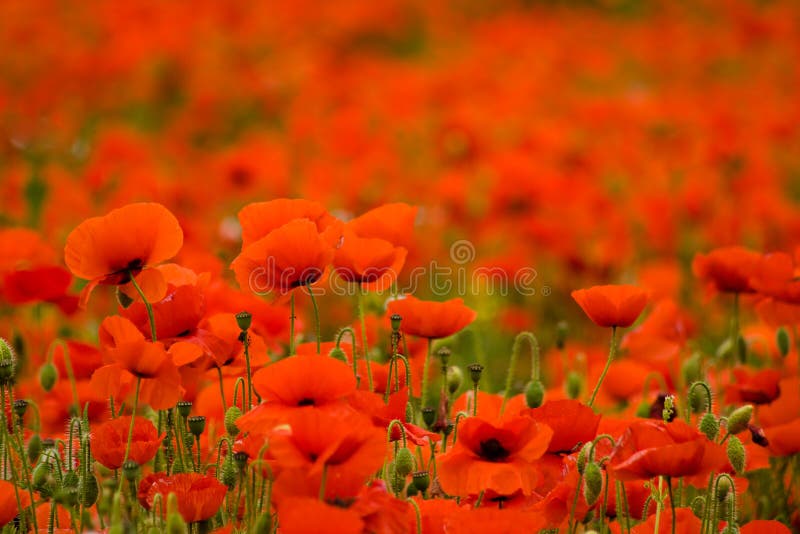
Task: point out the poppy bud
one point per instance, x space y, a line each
534 393
475 370
123 299
561 334
736 454
739 419
404 462
574 385
593 483
409 412
20 407
723 488
34 447
184 408
70 480
338 354
41 474
422 479
444 355
782 340
6 352
130 469
197 423
709 425
89 490
229 473
396 320
583 455
758 435
455 377
240 458
429 416
699 507
263 524
692 369
7 371
244 319
231 416
396 481
67 496
697 398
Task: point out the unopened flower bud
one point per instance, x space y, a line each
396 481
723 488
573 385
583 456
396 320
455 377
229 473
404 462
698 401
422 479
409 412
184 408
475 370
699 507
738 420
339 354
89 490
231 416
692 369
70 479
782 340
244 320
534 393
736 454
592 483
7 371
197 423
709 425
444 355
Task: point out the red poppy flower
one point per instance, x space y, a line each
784 439
260 218
776 276
293 255
467 521
45 284
8 501
653 448
430 319
299 382
199 496
110 439
572 423
499 457
372 263
611 306
391 222
727 269
764 526
308 515
756 387
112 248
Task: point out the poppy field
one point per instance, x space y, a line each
527 266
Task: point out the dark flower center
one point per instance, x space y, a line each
493 450
306 402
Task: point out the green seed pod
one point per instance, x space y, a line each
338 354
421 479
263 524
244 319
738 420
404 462
699 507
475 371
48 376
736 454
240 459
231 416
455 377
197 423
574 385
783 342
592 483
89 490
130 470
429 416
709 425
444 356
395 319
534 393
184 408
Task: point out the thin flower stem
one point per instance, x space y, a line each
222 390
659 504
147 306
361 319
322 482
425 365
70 374
316 317
246 345
734 335
612 352
291 325
671 502
133 418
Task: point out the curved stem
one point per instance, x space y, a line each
425 365
147 306
612 352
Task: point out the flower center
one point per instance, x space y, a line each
493 450
305 402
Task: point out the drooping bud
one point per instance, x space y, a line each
422 479
738 420
562 329
396 481
782 340
574 385
709 425
48 376
455 377
534 393
244 320
583 456
229 473
475 370
723 488
197 423
396 319
231 416
736 454
404 462
593 483
184 408
699 507
89 490
339 354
